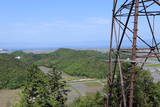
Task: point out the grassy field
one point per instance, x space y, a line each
152 65
9 97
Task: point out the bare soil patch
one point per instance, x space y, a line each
9 97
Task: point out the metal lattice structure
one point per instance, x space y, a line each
135 33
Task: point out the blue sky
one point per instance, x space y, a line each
54 23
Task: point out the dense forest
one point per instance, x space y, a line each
75 62
88 63
12 72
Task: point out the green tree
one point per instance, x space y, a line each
57 87
146 91
43 90
94 100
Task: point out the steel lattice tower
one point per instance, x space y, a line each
135 33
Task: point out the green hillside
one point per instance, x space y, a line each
28 58
87 63
12 72
77 62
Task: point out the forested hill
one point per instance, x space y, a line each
12 71
87 63
77 62
28 58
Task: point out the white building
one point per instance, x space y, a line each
18 57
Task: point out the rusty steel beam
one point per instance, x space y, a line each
110 77
133 70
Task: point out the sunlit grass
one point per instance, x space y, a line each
152 65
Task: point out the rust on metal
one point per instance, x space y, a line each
125 23
133 70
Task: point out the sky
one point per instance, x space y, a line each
37 24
